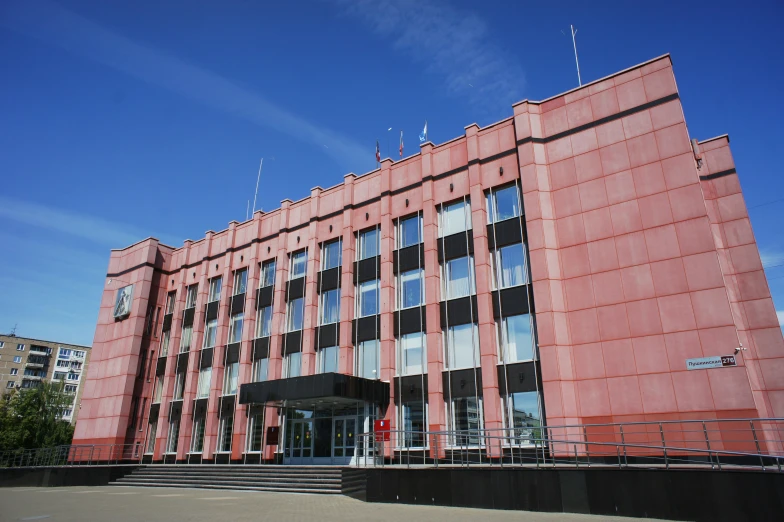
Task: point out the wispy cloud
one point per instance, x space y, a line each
56 25
780 315
453 44
771 258
94 229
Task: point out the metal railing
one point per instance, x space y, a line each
756 444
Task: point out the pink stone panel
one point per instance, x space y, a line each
679 171
608 288
602 255
609 133
604 103
594 398
655 210
676 313
615 158
625 396
620 187
593 195
613 322
626 217
703 271
618 358
657 392
669 277
584 326
632 249
631 94
588 166
642 150
687 202
692 390
563 174
644 317
598 224
649 179
681 346
659 84
638 282
650 354
662 243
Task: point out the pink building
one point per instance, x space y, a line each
558 267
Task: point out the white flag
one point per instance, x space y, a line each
423 134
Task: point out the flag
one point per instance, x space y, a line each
423 134
401 144
378 153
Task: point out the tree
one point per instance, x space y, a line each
32 418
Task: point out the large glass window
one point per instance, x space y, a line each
215 289
292 365
298 264
330 307
409 232
466 420
210 333
190 298
516 338
328 360
260 369
225 429
205 376
368 244
509 266
412 421
174 435
267 273
521 415
255 432
368 298
179 385
368 359
411 290
185 340
462 346
158 389
197 441
459 277
296 313
411 353
230 378
455 217
170 298
502 204
152 428
331 255
165 343
240 281
264 322
235 327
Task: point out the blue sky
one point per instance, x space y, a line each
122 120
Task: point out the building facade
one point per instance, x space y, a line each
26 362
558 267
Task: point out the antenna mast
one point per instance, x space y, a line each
258 176
574 43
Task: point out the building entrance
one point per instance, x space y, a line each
325 435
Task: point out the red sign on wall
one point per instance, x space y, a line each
273 433
381 429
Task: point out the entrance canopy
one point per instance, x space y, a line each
329 387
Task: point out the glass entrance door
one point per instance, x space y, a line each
301 441
344 436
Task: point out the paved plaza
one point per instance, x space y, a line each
130 504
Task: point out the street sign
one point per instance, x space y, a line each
719 361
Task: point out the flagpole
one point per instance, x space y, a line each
258 176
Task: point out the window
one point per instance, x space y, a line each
14 371
215 289
205 376
466 418
368 244
459 278
230 377
65 353
255 432
331 255
70 388
151 429
368 298
170 302
58 376
39 373
516 339
185 340
292 365
264 322
502 204
455 217
2 344
521 414
76 365
210 333
368 359
412 421
73 376
18 359
409 232
158 391
78 354
411 354
20 347
298 262
328 360
165 343
67 412
240 281
330 307
225 429
190 299
462 346
9 384
30 384
260 370
509 266
411 289
174 433
235 327
179 385
267 273
296 312
197 441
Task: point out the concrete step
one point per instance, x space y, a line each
211 480
238 488
237 483
217 473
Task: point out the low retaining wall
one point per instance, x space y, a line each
669 494
63 475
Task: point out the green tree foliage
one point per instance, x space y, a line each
31 418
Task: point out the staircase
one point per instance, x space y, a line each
289 479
